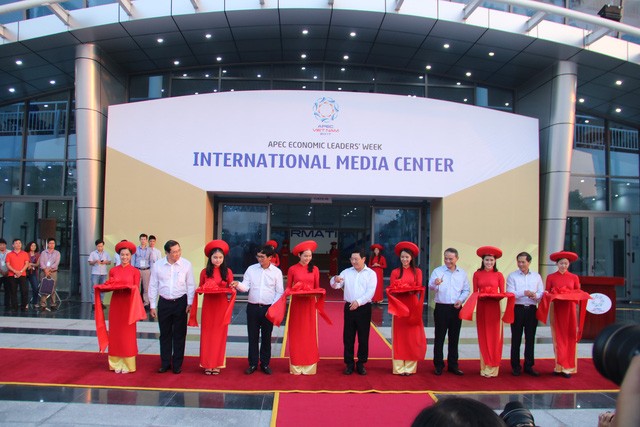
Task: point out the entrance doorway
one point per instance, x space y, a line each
602 242
352 224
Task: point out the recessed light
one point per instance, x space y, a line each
52 82
303 68
196 93
303 56
342 69
587 121
339 88
259 76
18 61
465 100
219 58
160 40
421 77
506 104
206 75
618 110
345 57
315 77
208 36
458 83
352 34
446 45
305 31
492 54
304 87
224 71
176 62
428 67
468 74
12 89
619 82
184 75
581 100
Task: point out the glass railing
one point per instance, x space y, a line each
590 136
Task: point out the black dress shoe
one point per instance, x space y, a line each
564 374
532 372
456 371
266 370
361 370
177 371
162 370
348 370
250 370
438 370
516 372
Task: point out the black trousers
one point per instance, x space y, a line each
356 322
19 283
524 320
446 320
259 329
172 318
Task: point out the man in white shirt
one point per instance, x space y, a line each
171 290
451 286
155 252
527 286
359 283
142 261
264 283
98 260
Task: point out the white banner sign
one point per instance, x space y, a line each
323 143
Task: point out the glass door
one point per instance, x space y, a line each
19 221
602 243
244 228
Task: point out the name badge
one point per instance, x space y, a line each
48 263
143 263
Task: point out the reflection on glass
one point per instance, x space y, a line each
71 179
625 195
11 128
43 178
391 226
10 178
576 240
609 255
244 228
587 193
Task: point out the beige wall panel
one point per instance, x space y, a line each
142 199
502 212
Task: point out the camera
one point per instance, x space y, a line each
614 348
516 415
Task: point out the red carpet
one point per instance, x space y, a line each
304 409
87 369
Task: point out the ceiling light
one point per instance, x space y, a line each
506 104
428 67
208 36
18 61
52 82
304 87
184 75
446 45
352 33
12 89
197 93
259 75
468 73
346 57
582 180
303 68
465 100
206 75
224 71
315 77
342 69
219 58
305 31
160 40
339 88
176 62
587 121
581 100
458 83
303 56
421 77
618 110
492 53
619 82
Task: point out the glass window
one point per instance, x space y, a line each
589 146
350 87
460 94
10 178
587 193
249 225
71 180
47 121
353 217
296 85
625 195
237 85
247 71
391 226
498 99
43 178
182 87
349 72
297 72
624 150
11 124
8 17
417 91
576 239
60 212
391 76
148 87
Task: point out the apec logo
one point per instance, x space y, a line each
325 109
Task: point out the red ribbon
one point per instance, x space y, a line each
136 309
467 311
210 286
276 312
564 294
399 308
